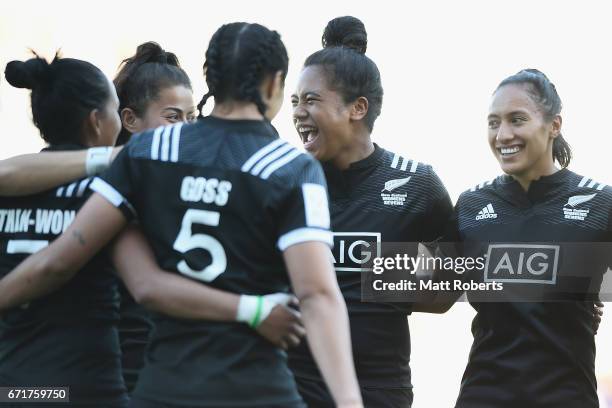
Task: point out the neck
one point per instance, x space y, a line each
236 111
359 149
534 173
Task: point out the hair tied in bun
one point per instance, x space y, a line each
346 32
30 74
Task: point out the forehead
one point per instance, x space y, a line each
177 96
312 79
512 98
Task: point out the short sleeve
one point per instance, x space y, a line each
117 183
303 210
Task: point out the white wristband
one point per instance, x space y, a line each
98 160
253 310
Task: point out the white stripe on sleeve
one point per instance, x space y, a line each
279 163
414 166
82 186
300 235
70 189
107 191
176 138
165 149
261 153
395 161
270 158
155 143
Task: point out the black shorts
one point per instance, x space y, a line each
316 395
136 402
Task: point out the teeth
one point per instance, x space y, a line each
307 132
509 150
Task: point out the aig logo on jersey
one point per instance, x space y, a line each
394 198
570 212
522 263
352 250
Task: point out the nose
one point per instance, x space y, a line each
504 133
299 112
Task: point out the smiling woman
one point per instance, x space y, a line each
153 90
384 196
525 127
338 84
536 351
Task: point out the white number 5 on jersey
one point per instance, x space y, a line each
186 241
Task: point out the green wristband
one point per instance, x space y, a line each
255 322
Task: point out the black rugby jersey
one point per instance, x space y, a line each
536 353
68 337
134 328
382 198
219 200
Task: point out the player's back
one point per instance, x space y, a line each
68 337
219 200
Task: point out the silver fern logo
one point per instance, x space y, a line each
579 199
393 184
395 199
570 212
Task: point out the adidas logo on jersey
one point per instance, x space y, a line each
571 213
486 212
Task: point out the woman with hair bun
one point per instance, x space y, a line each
193 186
68 338
534 342
153 91
376 195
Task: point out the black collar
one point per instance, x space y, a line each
539 190
342 182
558 177
371 161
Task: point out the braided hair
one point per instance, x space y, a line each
544 94
143 76
238 58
